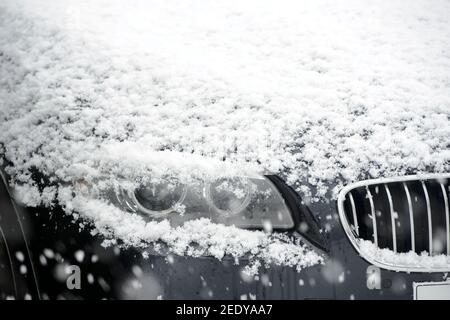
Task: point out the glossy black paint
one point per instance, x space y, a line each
49 240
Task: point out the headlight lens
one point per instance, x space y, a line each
159 199
229 196
243 202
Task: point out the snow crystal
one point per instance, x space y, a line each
49 253
42 260
321 93
247 274
79 255
333 271
105 286
23 269
265 280
90 278
137 271
20 256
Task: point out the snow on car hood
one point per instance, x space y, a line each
321 93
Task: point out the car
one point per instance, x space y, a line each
224 150
39 244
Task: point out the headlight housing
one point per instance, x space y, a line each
261 203
252 203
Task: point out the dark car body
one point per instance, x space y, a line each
36 244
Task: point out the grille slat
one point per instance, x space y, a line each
411 217
355 217
391 209
373 216
430 221
447 217
401 214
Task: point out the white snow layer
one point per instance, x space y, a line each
405 259
320 92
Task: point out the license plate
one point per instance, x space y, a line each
431 290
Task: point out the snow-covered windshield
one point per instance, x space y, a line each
321 93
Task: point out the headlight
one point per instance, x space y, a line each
243 202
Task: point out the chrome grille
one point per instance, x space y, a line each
401 214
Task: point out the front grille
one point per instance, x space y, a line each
404 215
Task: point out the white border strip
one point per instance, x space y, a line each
416 285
